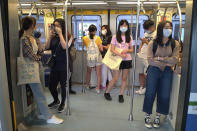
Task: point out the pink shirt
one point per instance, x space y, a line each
123 45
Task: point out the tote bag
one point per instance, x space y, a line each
27 69
111 60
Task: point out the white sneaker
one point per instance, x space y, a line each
138 91
141 91
98 90
55 120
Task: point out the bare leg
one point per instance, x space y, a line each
125 73
142 79
88 75
113 81
98 74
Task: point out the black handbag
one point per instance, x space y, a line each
51 61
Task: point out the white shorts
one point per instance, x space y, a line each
93 64
141 65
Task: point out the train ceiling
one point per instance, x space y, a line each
99 4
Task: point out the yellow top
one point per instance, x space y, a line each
86 41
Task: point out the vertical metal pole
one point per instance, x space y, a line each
133 80
128 81
68 112
83 86
180 20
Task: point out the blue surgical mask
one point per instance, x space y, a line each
123 29
167 32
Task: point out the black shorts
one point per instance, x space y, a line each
125 65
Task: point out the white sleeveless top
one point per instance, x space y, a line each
35 46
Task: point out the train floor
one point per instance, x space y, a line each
91 112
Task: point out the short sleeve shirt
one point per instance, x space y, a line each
86 41
123 45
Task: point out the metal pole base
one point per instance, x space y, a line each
128 93
68 112
130 117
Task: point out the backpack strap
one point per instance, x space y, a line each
173 44
154 47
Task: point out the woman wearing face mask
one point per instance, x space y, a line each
93 44
162 54
106 40
32 50
123 40
57 43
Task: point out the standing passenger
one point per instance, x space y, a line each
123 40
57 43
141 61
162 55
106 37
71 60
93 44
32 50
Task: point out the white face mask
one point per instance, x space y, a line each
123 29
104 32
148 31
167 32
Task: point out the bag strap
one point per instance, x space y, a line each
21 48
173 44
154 47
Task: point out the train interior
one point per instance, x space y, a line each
87 110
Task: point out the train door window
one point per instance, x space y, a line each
142 18
39 26
175 23
87 21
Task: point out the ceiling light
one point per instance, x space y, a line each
160 2
125 3
168 2
95 3
25 4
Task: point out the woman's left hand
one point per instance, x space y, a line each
58 30
124 51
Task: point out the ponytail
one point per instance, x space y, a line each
21 32
27 23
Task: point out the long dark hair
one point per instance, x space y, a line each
27 23
108 30
160 28
127 33
62 24
63 27
91 29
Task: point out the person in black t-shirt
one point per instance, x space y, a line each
57 44
106 37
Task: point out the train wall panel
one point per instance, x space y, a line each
14 52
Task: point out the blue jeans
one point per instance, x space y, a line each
158 83
40 100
